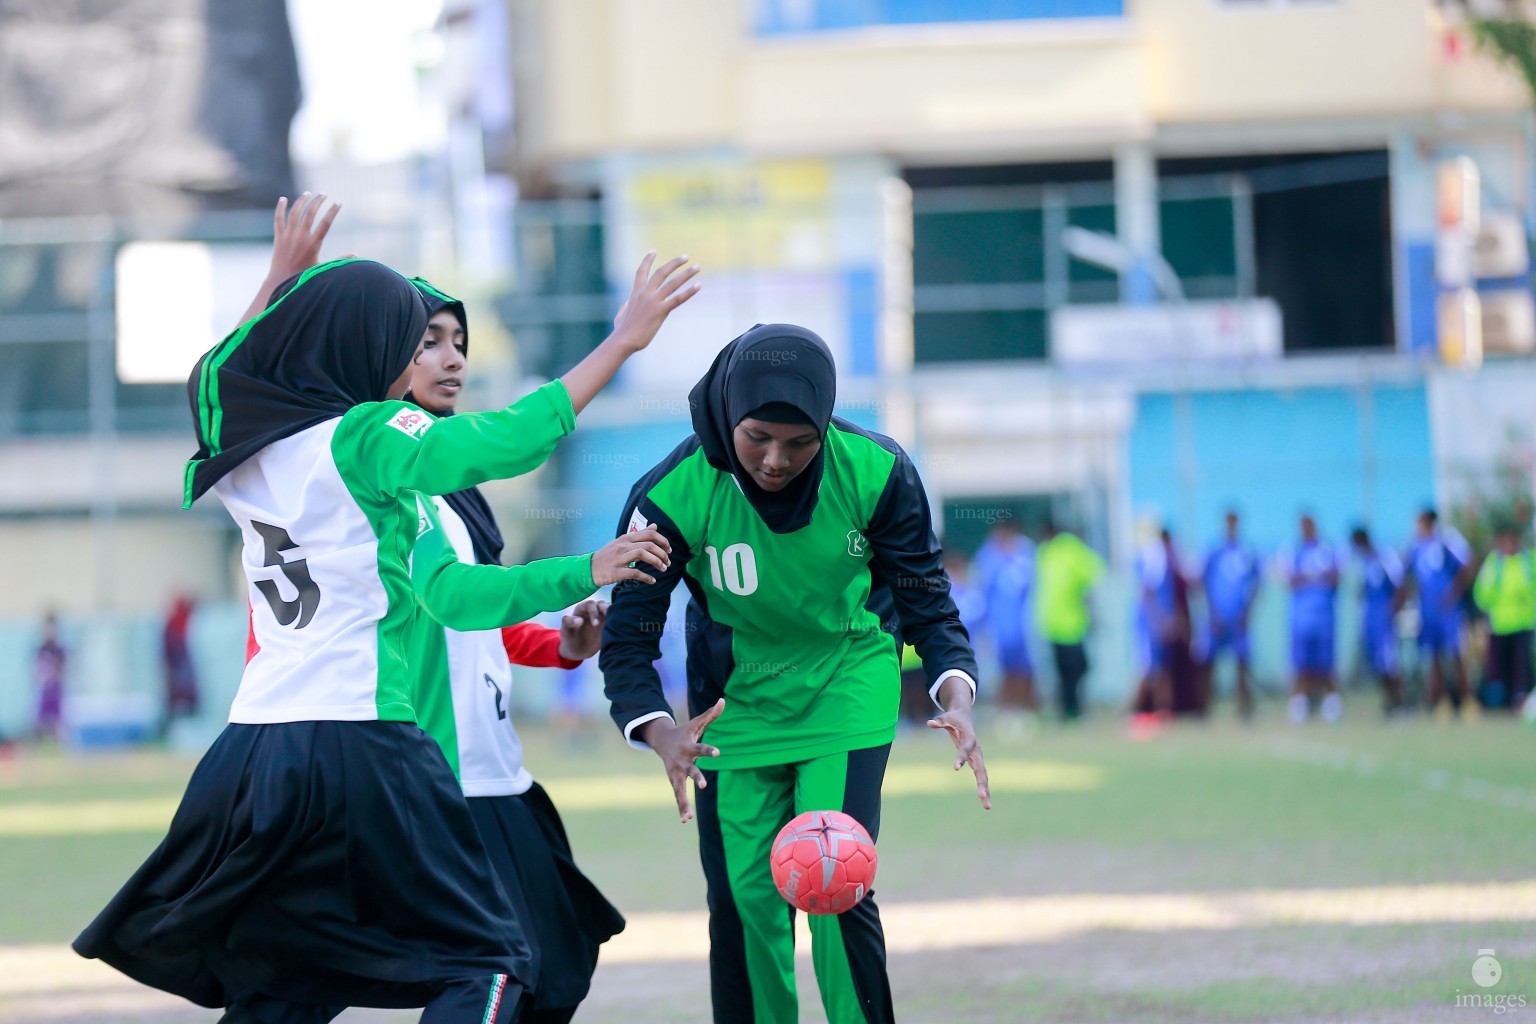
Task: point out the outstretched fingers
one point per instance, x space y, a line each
681 296
680 791
644 270
983 788
324 227
699 723
686 767
307 212
661 273
672 285
967 752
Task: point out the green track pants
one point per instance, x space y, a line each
751 927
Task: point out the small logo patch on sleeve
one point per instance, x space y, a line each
423 519
636 521
411 422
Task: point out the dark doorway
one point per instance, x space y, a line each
1322 242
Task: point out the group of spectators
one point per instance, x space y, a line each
1015 589
50 671
1188 617
1011 587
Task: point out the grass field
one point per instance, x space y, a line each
1211 873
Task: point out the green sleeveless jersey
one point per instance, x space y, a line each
793 629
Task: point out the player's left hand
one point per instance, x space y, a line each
655 295
581 630
298 234
957 721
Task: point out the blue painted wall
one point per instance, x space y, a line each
778 17
1346 455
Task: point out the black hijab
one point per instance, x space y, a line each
775 372
469 503
333 337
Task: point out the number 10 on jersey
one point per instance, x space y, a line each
734 569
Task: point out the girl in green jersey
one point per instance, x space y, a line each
804 542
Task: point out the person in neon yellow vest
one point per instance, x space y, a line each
1506 591
1066 573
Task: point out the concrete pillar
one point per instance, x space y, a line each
1136 217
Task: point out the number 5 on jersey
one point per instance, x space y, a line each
735 569
275 541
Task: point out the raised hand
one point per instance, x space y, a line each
298 234
581 630
679 746
655 294
614 561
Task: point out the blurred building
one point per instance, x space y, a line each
145 144
904 176
150 120
1105 260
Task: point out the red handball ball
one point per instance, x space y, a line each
823 862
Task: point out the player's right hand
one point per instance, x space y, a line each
679 747
617 559
653 297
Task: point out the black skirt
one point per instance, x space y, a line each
315 862
565 916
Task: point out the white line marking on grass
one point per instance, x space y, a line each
1010 921
1434 780
51 982
596 792
638 792
571 795
87 817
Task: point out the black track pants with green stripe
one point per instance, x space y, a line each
751 927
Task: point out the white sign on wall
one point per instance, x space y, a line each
175 299
1108 335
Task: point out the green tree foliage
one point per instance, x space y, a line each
1499 496
1511 39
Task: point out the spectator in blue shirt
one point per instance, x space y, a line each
1230 578
1004 573
1162 628
1440 568
1312 571
1381 582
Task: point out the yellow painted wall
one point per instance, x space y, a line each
963 90
674 74
632 74
66 565
1348 59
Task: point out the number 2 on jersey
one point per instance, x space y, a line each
501 712
735 569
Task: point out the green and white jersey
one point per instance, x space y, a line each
463 680
329 517
792 629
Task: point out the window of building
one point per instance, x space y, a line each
1309 230
1321 234
560 309
968 520
985 266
